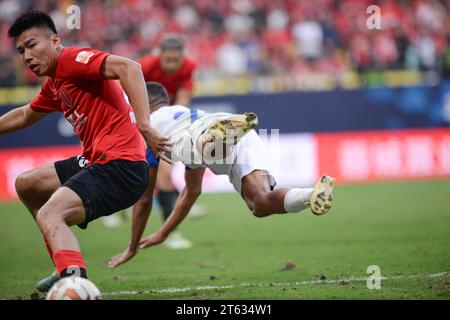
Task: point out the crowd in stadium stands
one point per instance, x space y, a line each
255 37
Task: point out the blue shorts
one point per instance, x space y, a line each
152 160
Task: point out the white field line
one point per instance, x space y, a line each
270 284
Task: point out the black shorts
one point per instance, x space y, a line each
103 188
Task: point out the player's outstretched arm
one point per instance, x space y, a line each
184 203
130 75
141 213
19 118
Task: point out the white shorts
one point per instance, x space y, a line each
251 155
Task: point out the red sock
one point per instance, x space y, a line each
49 249
68 259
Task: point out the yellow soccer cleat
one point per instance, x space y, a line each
322 196
232 129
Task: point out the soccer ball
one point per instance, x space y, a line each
74 288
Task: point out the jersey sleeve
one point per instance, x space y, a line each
46 101
80 63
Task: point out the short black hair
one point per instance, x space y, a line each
172 41
157 94
31 19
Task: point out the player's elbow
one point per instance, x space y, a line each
132 67
145 201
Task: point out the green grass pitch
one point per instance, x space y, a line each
404 228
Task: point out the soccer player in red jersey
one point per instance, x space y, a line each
175 72
172 69
112 173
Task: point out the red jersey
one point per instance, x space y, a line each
151 68
96 108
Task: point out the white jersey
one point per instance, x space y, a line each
184 126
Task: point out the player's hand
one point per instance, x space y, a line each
152 240
163 157
121 258
157 143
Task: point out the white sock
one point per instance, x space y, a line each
295 199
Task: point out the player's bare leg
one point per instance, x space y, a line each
255 186
62 210
263 202
258 196
36 186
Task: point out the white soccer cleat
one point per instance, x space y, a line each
44 285
232 129
197 211
112 221
177 242
322 196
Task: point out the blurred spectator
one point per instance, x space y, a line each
231 59
309 37
252 37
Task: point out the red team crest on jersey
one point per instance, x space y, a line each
83 57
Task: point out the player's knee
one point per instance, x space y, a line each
46 221
258 207
25 183
258 212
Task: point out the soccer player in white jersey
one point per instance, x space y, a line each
226 144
